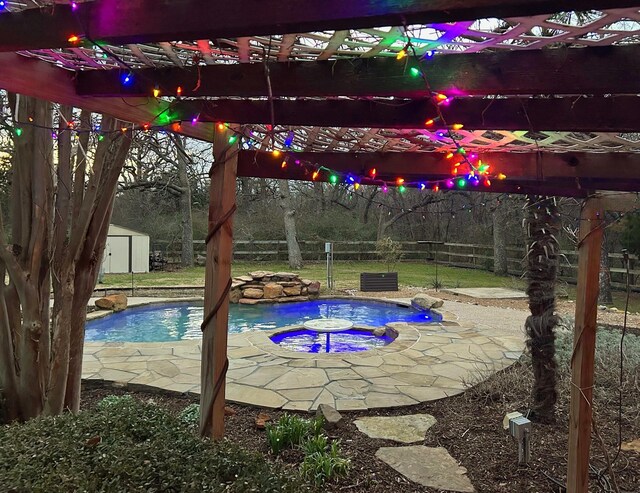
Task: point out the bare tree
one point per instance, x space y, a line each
500 210
166 164
186 219
60 219
293 248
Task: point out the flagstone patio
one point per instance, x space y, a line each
426 362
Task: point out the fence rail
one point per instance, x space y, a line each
465 255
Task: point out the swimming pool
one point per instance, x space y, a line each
178 321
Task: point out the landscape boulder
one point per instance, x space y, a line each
379 331
115 302
332 418
254 293
292 291
426 302
272 290
314 287
234 295
259 274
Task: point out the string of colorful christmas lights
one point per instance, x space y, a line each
466 168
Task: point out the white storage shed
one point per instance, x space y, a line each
126 251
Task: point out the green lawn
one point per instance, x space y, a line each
347 276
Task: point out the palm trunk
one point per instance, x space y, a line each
542 221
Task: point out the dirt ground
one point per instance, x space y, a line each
469 426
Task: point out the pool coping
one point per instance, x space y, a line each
427 361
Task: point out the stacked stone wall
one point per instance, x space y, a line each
272 287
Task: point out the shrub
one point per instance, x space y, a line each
319 467
607 365
389 251
114 401
315 445
291 430
125 445
190 415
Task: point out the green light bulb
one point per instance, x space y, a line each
333 179
18 131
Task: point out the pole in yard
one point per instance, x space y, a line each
222 205
328 248
582 359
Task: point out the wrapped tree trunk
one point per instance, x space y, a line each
542 225
59 230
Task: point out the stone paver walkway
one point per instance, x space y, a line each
426 362
488 293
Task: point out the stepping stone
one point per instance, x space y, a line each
632 446
430 467
404 429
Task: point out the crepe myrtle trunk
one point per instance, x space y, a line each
542 225
60 212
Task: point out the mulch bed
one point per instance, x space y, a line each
469 426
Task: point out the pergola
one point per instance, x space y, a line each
551 101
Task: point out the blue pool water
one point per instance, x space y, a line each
349 341
177 321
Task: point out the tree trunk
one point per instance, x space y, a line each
59 233
500 267
605 296
543 224
293 248
185 206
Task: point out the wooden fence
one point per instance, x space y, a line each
465 255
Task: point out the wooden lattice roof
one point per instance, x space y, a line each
556 82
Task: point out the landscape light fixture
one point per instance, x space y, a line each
520 429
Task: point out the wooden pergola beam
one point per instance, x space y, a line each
42 80
596 71
144 21
583 114
562 174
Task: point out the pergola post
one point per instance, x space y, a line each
582 359
222 205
